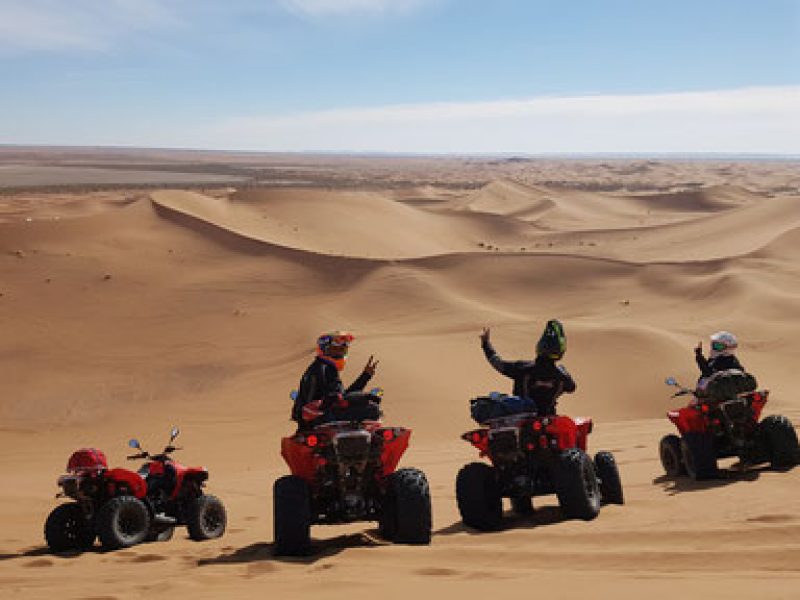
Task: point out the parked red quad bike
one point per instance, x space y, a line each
346 471
534 456
124 508
724 427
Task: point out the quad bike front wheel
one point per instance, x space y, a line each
122 522
68 529
605 467
292 516
478 497
406 517
576 485
206 518
669 450
699 456
779 439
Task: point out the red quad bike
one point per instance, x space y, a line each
124 508
346 471
534 456
723 426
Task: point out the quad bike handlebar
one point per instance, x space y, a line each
161 457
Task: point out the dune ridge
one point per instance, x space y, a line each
125 313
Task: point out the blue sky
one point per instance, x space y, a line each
404 75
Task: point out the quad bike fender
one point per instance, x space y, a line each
187 474
688 420
123 478
565 430
584 426
300 458
757 402
393 450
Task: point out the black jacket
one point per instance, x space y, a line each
541 380
321 381
721 362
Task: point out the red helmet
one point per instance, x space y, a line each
333 347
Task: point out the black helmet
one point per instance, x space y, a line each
553 343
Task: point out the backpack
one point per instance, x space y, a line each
497 405
726 385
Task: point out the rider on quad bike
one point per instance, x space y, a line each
541 380
532 451
343 460
321 396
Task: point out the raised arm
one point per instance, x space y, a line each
507 368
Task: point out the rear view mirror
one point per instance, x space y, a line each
134 443
376 391
173 434
671 381
293 394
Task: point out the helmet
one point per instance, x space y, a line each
333 347
723 343
553 343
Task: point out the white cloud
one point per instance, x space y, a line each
324 8
750 120
75 24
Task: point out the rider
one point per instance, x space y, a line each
321 393
541 380
722 356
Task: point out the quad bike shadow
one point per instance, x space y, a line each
320 549
541 517
672 486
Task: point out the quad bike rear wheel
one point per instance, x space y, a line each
576 485
206 518
669 449
780 441
478 497
67 529
699 455
406 517
122 522
292 516
605 467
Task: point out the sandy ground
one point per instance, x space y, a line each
127 311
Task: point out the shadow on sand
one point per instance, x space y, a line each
680 485
320 549
541 517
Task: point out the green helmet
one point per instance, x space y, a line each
553 343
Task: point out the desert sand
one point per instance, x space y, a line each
127 309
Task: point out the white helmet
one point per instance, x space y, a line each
723 343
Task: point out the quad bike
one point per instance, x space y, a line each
723 427
345 471
530 456
124 508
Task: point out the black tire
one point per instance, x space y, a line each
122 522
478 497
522 505
206 518
605 466
699 456
292 516
67 529
669 449
408 515
780 440
160 535
577 487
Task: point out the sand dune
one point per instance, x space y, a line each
126 312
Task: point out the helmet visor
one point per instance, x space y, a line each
718 346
